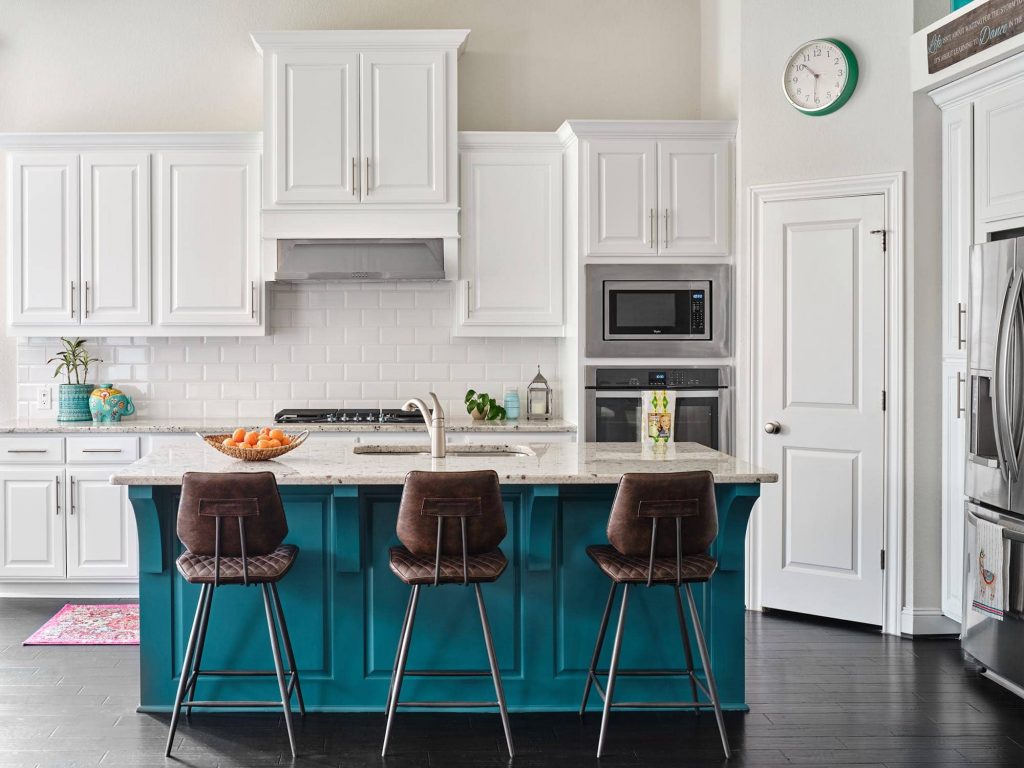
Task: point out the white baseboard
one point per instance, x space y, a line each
62 589
927 621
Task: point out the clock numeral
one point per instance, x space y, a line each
817 100
839 73
836 61
807 57
817 52
799 90
794 80
828 95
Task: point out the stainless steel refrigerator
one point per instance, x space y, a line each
994 466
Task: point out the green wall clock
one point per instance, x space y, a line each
820 76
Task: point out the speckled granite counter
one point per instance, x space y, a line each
223 426
548 464
344 605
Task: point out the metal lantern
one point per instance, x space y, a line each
538 398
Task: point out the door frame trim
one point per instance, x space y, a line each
898 466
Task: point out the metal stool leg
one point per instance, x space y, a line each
686 648
286 704
288 649
197 665
597 647
705 660
186 665
403 657
394 667
612 669
495 674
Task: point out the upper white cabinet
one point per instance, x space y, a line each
655 189
102 227
511 259
957 224
208 238
43 230
999 162
355 117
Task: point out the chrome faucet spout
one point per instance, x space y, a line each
434 419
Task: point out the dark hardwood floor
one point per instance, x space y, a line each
821 695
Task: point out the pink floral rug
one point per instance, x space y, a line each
109 624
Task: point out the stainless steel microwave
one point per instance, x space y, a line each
663 310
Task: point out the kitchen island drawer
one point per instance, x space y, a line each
32 450
102 450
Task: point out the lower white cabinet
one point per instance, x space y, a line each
511 256
32 524
101 538
954 421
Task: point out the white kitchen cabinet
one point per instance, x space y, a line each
402 126
101 539
207 263
315 128
511 258
32 524
957 224
954 420
115 246
623 197
999 163
694 191
43 241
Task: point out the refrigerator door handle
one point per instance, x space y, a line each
1015 352
1000 381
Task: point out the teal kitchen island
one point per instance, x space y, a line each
345 607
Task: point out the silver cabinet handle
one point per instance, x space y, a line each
367 175
772 427
26 450
960 381
102 450
654 237
252 283
666 227
86 302
961 315
58 495
355 178
72 298
71 487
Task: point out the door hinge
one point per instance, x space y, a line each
885 238
885 399
882 559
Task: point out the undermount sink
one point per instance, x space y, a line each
467 451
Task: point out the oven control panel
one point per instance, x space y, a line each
658 378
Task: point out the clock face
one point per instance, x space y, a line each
820 76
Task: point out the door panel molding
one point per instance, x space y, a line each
898 474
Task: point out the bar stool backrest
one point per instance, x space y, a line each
251 498
664 514
471 500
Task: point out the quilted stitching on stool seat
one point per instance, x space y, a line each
263 569
633 568
419 569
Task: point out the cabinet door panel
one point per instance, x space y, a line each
953 455
102 542
957 224
511 252
44 241
31 524
693 181
999 125
315 125
622 198
208 242
402 133
115 238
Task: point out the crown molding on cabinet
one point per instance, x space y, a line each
361 39
647 129
969 87
511 141
84 142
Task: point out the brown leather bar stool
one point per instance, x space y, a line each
450 524
232 525
660 529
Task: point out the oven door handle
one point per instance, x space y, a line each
1013 530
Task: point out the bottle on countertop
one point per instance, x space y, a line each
511 403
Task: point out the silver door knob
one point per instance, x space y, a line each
772 427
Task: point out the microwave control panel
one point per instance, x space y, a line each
697 303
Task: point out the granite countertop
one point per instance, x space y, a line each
224 426
546 464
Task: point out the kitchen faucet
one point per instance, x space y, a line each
434 420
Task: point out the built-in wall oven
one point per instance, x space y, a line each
657 310
702 394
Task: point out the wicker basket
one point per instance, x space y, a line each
253 454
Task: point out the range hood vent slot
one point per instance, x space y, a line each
362 260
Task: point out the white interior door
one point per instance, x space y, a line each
102 542
823 375
115 238
402 131
31 524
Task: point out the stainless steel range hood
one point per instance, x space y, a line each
360 259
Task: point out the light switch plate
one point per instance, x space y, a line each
45 398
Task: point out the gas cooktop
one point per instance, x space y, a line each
347 416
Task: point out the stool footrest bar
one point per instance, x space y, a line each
662 704
447 673
447 704
235 704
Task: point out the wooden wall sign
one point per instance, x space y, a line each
982 27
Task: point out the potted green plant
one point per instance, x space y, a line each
73 363
483 406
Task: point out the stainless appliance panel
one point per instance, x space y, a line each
718 315
995 644
991 270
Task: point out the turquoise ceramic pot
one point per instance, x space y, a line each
73 402
108 404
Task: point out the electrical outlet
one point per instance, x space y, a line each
45 399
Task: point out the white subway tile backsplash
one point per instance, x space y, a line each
371 345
